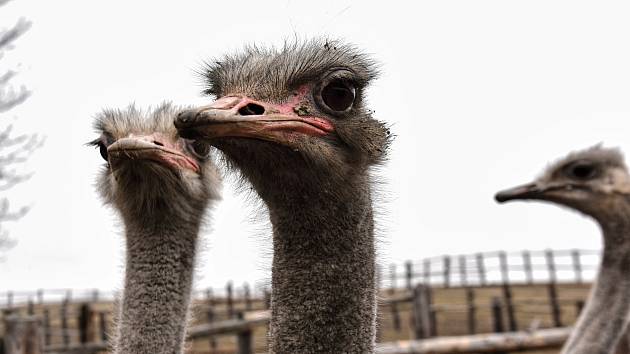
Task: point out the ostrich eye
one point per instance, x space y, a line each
338 95
582 170
103 150
200 149
101 143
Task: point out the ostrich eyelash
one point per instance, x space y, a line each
94 142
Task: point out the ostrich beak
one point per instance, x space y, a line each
152 148
242 117
523 192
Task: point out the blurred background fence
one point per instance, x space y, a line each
438 296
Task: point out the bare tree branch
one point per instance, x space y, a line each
4 79
14 149
10 98
7 37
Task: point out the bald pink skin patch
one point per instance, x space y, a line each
287 109
237 115
154 147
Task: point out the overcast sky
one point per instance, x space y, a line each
481 95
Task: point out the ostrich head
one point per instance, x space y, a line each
150 171
594 181
291 117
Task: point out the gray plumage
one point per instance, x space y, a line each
595 182
161 189
317 186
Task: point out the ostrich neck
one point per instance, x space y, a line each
323 286
605 316
158 281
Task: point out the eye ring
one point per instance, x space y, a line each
337 93
582 170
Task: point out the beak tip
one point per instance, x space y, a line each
528 191
502 197
184 117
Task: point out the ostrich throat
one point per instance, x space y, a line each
600 327
158 281
323 276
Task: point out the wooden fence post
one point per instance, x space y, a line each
481 269
447 271
213 340
577 265
395 316
40 296
392 276
30 307
472 310
10 299
553 292
245 340
408 274
426 271
497 315
47 333
209 298
64 323
527 267
230 299
555 307
463 274
392 291
422 312
86 326
102 324
23 335
507 291
247 296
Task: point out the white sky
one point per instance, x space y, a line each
482 94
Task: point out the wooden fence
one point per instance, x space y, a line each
498 267
484 292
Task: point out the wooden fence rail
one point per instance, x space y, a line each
481 269
24 336
480 343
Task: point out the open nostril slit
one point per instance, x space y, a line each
251 109
157 143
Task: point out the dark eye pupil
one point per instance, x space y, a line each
583 171
338 96
201 149
103 150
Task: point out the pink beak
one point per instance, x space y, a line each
151 147
240 116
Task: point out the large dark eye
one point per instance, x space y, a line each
200 149
103 150
338 95
582 170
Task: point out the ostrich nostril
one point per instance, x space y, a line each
251 109
157 143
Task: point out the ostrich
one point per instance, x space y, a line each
594 182
294 122
161 186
